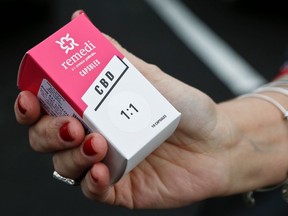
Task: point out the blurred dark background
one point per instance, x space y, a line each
256 30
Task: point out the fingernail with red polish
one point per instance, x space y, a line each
88 148
20 107
94 179
65 134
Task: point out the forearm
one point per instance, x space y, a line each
259 156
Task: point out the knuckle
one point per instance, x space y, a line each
50 138
43 136
33 141
77 161
55 161
153 68
152 72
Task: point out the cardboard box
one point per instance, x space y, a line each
77 72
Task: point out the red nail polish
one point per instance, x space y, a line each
65 134
94 179
20 107
88 148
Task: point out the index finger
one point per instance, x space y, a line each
27 108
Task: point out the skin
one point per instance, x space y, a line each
217 150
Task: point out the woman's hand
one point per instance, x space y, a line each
205 157
179 172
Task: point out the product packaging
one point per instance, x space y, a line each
77 72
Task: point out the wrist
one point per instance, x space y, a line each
258 149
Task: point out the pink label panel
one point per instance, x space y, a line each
74 56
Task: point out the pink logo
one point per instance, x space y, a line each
67 43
